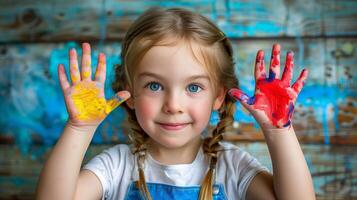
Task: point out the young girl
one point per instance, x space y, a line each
178 68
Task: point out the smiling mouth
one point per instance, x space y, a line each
173 126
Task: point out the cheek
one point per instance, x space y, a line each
201 111
145 109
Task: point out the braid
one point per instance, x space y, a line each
141 183
211 147
139 138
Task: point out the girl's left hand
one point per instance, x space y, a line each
273 102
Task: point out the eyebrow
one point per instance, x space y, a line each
150 74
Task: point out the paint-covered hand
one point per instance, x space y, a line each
84 97
273 102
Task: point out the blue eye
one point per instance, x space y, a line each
194 88
154 86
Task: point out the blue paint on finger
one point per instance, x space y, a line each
271 76
251 100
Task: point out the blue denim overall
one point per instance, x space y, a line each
160 191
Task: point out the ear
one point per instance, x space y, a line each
130 102
221 94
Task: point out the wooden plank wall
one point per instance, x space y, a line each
63 20
35 37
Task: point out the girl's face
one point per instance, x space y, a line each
173 96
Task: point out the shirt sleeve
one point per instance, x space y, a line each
103 166
247 168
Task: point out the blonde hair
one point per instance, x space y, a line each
214 51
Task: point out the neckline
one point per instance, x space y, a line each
154 163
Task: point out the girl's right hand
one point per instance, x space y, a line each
84 98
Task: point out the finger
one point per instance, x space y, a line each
259 70
86 71
118 99
297 86
245 100
288 70
63 77
73 66
274 69
101 69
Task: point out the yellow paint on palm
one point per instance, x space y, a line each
88 102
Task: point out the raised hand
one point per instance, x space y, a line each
84 98
273 102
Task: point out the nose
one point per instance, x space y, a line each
173 104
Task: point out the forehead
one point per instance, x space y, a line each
172 58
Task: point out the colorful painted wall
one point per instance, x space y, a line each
35 37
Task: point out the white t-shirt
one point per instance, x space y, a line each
116 169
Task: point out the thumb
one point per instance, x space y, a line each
244 99
118 99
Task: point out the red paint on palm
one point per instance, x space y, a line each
275 100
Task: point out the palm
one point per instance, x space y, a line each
85 99
82 98
273 102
